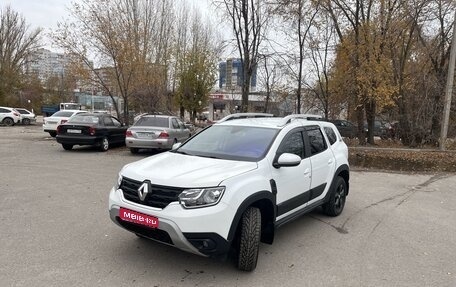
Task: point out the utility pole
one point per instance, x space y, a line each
449 89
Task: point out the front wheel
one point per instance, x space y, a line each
336 202
250 234
104 145
26 121
134 150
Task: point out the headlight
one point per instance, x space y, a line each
201 197
119 182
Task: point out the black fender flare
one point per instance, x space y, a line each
343 171
258 196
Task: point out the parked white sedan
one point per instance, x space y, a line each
51 123
28 117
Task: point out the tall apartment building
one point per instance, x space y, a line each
231 75
45 64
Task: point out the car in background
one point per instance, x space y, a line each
346 128
9 116
156 132
27 116
95 129
51 123
380 129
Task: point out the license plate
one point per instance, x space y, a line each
70 131
138 218
145 135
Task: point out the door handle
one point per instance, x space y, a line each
330 161
307 172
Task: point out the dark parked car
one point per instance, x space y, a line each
95 129
346 128
380 129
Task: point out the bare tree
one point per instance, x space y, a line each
321 43
130 38
16 45
248 18
268 76
299 14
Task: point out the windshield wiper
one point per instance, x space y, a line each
208 156
180 152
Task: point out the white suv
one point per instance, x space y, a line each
232 184
9 116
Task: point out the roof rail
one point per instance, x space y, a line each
245 116
289 118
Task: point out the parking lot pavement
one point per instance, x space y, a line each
396 229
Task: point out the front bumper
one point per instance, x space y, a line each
190 232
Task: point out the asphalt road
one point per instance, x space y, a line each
396 229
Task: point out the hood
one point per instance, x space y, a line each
172 169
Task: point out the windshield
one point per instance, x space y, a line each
62 114
84 119
152 122
230 142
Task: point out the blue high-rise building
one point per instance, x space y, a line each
231 75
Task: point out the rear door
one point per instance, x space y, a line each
175 130
322 162
184 133
110 129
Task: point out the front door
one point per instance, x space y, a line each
293 183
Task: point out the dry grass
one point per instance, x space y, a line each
392 155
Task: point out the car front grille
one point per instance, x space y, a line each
152 233
160 196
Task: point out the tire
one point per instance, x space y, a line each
104 144
8 122
67 146
53 134
249 241
134 150
336 202
26 121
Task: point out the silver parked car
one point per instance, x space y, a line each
156 132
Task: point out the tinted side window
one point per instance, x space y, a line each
294 144
116 122
181 124
331 135
4 110
107 121
317 141
175 124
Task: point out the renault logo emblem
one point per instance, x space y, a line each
143 190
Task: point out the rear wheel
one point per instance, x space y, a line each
26 121
249 239
336 202
53 134
104 144
134 150
8 121
67 146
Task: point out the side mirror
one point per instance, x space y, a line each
287 159
176 145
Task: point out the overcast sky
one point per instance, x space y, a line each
46 13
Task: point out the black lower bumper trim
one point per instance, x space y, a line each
209 244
